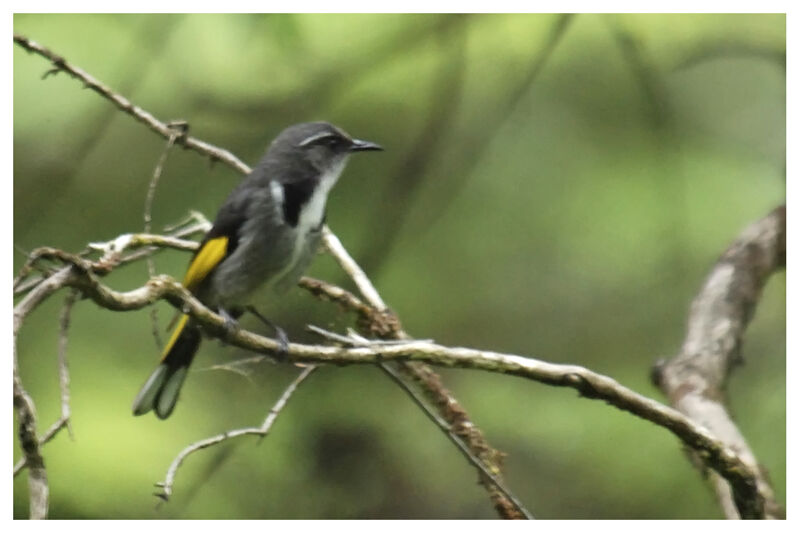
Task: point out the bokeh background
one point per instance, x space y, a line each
552 186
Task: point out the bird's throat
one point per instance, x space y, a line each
312 212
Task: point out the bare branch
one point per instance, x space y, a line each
237 366
148 219
63 381
441 396
466 435
40 292
38 488
61 65
509 506
51 432
589 384
410 376
695 379
112 256
348 264
516 509
82 274
261 431
63 367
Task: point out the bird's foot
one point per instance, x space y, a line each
282 353
231 324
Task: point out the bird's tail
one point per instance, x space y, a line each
160 391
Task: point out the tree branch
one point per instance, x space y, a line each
148 217
466 435
262 431
63 366
63 382
164 129
695 379
716 454
422 376
38 489
81 274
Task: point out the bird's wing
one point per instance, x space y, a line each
211 254
221 240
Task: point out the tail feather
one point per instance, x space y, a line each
146 398
160 391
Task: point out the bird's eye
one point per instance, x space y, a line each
333 142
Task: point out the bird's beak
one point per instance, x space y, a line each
363 146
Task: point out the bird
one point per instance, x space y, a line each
263 238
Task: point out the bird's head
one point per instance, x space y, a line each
320 144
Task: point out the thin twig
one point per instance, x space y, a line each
234 366
460 444
61 65
63 367
354 339
348 264
64 421
261 431
148 219
145 244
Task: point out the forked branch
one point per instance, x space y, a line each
695 379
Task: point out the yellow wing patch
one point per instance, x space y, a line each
205 261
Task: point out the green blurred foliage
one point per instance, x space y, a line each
557 194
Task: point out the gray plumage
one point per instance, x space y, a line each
273 223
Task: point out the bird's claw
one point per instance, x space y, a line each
231 324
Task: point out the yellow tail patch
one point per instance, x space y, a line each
175 335
209 256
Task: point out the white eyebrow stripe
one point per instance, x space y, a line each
315 137
321 135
